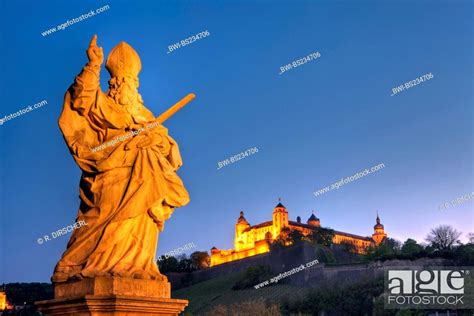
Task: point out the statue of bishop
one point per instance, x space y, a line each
127 190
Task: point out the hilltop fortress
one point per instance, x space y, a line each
253 240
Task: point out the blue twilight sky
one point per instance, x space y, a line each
313 125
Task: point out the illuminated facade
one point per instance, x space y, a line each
253 240
3 301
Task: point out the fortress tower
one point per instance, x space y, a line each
313 221
279 218
379 233
240 227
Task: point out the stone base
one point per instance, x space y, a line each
112 296
115 305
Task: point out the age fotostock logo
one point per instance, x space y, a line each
444 287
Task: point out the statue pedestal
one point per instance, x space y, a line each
112 296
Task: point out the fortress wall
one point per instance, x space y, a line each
286 259
353 273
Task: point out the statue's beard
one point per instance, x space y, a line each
127 96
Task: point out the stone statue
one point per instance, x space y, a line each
128 190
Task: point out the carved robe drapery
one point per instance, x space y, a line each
127 190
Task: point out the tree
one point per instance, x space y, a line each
348 246
186 265
295 236
283 238
322 236
324 254
389 247
464 254
410 247
443 237
470 237
393 244
19 293
169 264
200 259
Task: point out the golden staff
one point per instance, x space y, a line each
175 108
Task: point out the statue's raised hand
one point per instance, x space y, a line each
94 52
